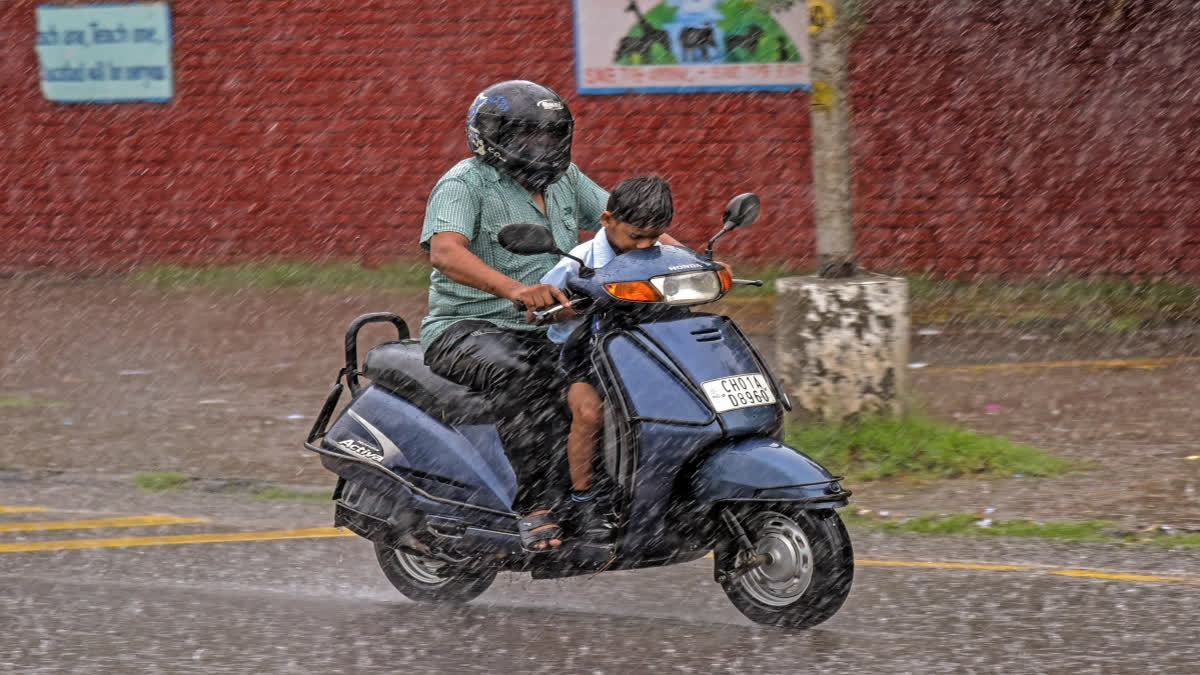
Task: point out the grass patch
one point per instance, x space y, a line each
1118 302
22 401
1117 305
283 493
973 525
912 446
970 523
169 480
398 275
159 480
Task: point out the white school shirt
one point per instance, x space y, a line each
595 253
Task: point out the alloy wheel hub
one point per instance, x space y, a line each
786 574
421 569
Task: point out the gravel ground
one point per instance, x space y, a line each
124 379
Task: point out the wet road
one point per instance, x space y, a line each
321 604
101 380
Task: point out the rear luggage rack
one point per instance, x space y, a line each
350 370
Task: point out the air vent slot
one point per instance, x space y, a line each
431 477
707 334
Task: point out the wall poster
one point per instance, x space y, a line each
690 45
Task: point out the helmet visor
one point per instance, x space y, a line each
547 142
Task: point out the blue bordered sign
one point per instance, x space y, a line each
690 45
105 53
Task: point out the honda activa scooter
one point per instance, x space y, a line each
692 441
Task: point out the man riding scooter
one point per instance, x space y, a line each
520 134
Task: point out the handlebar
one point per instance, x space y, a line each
549 311
578 303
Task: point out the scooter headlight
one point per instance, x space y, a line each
690 288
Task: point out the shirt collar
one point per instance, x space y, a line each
602 250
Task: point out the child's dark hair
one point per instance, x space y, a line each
644 201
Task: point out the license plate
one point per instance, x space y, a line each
738 391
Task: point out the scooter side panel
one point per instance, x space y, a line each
676 422
707 347
651 389
465 466
663 452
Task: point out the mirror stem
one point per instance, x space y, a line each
584 270
708 252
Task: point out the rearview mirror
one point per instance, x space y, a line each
742 210
527 239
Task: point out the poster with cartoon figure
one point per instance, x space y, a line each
690 45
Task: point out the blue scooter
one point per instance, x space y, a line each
692 441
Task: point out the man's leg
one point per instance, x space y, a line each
516 369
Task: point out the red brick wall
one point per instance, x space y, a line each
1046 138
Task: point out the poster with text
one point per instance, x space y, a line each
690 45
105 53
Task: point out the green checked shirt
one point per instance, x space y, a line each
476 200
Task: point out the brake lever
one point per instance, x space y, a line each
747 282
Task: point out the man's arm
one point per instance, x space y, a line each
449 253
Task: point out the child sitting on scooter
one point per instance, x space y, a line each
637 214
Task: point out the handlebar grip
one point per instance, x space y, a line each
541 314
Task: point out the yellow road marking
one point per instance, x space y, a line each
206 538
1122 576
22 509
93 523
1043 569
322 532
1144 364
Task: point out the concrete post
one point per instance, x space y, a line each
841 345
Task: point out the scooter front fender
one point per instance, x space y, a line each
762 469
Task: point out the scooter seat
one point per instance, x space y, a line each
400 367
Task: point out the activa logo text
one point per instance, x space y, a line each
361 449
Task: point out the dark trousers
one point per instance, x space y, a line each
517 370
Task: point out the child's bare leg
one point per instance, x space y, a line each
587 421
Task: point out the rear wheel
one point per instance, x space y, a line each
427 580
808 570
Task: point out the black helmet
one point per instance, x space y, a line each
524 130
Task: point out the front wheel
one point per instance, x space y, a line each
808 567
426 580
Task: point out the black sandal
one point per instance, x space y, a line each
539 526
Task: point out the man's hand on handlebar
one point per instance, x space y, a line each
541 296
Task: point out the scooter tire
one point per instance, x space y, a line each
429 581
813 547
